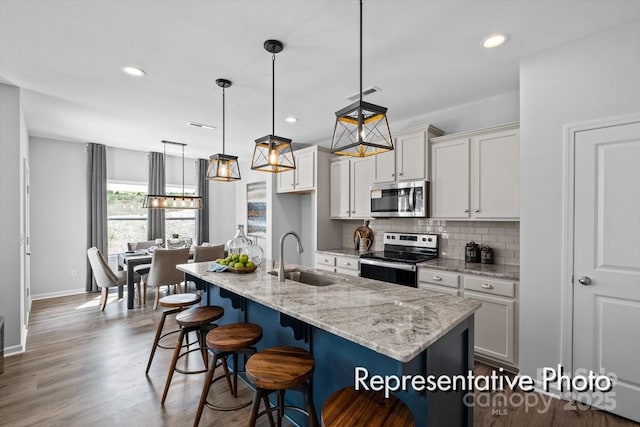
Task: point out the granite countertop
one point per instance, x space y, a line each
342 251
397 321
499 271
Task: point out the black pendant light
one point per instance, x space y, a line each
223 167
273 153
164 201
361 128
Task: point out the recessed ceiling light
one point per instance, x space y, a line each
133 71
494 40
290 119
202 125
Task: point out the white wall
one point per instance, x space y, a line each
12 146
58 217
595 77
222 211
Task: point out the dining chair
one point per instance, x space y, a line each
105 277
208 253
134 246
163 271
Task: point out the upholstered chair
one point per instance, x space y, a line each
163 271
105 277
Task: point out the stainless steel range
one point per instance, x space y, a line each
397 263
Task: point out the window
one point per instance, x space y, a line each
127 219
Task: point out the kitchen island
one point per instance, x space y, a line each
388 329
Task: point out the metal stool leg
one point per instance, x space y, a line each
308 403
158 335
174 360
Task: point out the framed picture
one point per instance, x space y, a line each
257 209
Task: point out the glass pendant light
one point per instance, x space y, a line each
273 153
361 128
223 167
164 201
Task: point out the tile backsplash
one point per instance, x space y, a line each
502 236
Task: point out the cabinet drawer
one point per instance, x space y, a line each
324 267
325 259
348 262
435 288
348 271
438 277
490 286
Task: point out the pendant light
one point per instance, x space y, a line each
361 128
164 201
223 167
273 153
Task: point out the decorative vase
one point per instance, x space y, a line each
240 242
174 242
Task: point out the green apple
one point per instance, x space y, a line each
249 264
235 257
244 258
238 265
224 262
219 260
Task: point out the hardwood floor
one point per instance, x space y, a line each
84 367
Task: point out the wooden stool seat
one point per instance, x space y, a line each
198 316
234 337
279 368
175 303
349 407
224 342
179 300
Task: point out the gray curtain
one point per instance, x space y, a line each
96 205
156 185
202 190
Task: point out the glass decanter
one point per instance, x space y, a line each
255 253
240 242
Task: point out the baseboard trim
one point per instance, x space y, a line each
58 294
13 350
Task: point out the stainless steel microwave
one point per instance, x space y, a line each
400 199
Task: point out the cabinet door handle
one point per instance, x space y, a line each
400 174
437 278
347 263
393 174
477 210
325 260
347 212
466 211
487 286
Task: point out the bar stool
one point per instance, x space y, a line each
176 303
277 369
365 408
199 320
225 341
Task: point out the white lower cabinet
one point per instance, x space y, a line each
344 264
496 334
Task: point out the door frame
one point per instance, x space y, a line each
568 224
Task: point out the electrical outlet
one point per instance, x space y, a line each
74 273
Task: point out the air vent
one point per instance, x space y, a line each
365 92
202 125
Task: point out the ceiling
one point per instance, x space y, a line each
424 55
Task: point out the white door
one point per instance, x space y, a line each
450 179
305 171
386 166
362 176
410 157
340 189
606 325
496 173
27 244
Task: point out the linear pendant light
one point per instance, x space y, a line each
223 167
164 201
361 128
273 153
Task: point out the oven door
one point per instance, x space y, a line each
392 272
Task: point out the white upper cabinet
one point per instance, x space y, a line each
476 175
496 175
350 182
302 178
450 179
410 158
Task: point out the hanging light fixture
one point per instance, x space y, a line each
223 167
361 128
273 153
165 201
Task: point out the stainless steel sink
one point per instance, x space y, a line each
309 278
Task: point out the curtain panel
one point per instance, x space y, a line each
202 190
96 206
156 185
